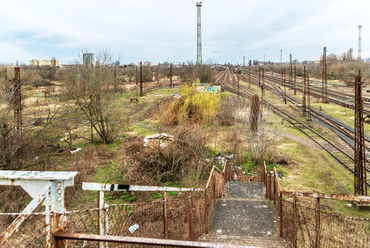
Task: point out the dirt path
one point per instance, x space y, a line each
303 141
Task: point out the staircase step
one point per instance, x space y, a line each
244 240
249 218
245 190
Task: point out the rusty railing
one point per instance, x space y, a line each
178 214
302 221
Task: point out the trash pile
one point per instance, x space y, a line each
153 140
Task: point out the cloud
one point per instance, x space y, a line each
166 30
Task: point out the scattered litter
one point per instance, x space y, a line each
133 228
78 149
290 176
235 177
178 95
41 95
219 231
349 205
36 158
238 167
280 175
207 160
158 136
230 156
161 96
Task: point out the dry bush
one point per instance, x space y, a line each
184 156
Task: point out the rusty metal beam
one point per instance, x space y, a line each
122 187
339 197
141 241
25 213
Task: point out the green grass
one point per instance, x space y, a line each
142 131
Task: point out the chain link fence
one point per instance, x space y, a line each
174 215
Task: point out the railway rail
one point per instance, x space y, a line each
333 96
242 90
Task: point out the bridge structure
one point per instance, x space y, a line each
222 214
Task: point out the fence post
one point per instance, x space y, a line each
165 215
295 221
214 188
317 222
101 226
281 214
190 217
274 188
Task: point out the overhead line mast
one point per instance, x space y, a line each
199 33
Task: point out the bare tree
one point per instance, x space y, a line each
92 88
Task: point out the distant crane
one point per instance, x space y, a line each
199 33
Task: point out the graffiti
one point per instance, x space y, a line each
214 89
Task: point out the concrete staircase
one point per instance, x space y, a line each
244 217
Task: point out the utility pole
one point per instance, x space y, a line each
359 43
295 80
324 79
263 84
157 73
281 56
308 98
284 86
244 64
259 76
17 99
171 75
141 78
290 72
249 73
199 33
304 91
136 75
360 159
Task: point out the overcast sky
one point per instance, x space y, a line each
165 30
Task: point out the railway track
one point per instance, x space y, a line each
334 96
336 152
344 132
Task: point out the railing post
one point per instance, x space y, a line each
165 215
274 188
205 212
214 188
317 222
269 185
295 221
101 226
281 214
190 217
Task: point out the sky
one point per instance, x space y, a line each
166 30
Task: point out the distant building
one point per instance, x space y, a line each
88 58
52 63
146 63
34 62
